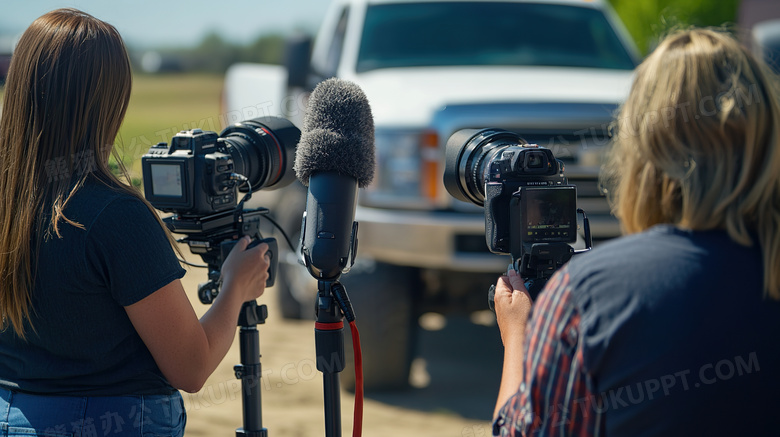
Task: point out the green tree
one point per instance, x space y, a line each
649 20
267 49
214 54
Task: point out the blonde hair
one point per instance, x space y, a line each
66 94
697 145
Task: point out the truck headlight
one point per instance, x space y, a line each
408 170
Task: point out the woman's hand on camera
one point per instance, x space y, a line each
513 307
246 270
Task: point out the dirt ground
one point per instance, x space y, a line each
457 374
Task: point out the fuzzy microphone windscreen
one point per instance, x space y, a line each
338 134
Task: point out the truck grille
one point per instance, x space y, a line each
471 244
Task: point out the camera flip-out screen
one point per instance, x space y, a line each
549 214
166 185
166 180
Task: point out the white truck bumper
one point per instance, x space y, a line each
425 239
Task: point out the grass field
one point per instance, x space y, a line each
162 105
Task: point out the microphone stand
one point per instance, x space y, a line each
329 343
250 369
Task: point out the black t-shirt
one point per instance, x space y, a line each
82 341
677 335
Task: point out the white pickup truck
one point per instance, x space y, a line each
552 70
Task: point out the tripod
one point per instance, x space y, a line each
329 345
250 369
332 299
213 238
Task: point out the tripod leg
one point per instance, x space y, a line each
329 340
332 404
250 370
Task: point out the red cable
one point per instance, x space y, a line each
357 425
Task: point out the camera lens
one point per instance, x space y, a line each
469 153
263 150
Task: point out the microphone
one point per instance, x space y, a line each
334 157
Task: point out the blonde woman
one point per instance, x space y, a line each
98 333
672 329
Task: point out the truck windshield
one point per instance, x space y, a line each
479 33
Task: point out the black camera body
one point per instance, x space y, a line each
530 209
196 177
192 176
526 186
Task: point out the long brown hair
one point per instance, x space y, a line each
66 94
698 145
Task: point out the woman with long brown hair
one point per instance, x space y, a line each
96 327
670 330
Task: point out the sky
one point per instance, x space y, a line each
171 23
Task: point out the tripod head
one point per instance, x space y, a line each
213 237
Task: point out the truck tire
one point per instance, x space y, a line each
383 296
296 289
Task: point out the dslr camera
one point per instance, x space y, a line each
196 177
197 173
530 209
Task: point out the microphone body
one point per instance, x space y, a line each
334 157
329 240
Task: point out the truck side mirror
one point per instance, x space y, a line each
297 54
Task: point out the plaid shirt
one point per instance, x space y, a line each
554 397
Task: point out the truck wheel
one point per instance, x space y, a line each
295 287
383 298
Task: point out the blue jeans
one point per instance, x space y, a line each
94 416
